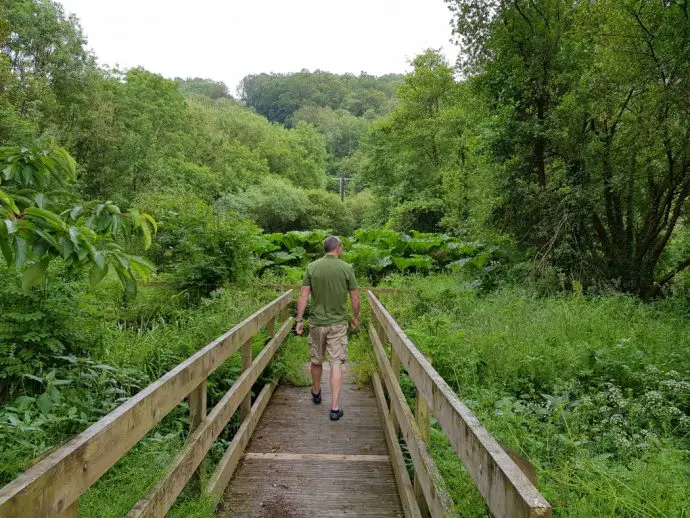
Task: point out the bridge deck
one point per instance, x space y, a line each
300 464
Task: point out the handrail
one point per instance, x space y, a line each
52 486
504 487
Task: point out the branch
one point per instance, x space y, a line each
654 291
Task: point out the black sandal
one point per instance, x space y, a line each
316 398
336 414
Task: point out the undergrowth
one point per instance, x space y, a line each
594 391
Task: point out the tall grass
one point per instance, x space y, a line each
595 391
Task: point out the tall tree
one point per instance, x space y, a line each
589 128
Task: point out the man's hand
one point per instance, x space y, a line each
355 323
299 328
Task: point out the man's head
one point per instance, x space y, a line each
332 245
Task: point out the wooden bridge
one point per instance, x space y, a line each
291 461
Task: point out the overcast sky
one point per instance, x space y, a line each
228 39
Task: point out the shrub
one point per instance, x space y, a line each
326 211
198 246
274 204
421 215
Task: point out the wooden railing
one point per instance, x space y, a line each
52 486
507 491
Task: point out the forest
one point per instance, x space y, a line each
532 195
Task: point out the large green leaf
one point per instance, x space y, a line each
97 273
35 274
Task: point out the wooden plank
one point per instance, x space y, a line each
53 484
293 423
226 467
308 489
246 352
424 422
504 487
407 496
317 457
438 501
270 327
162 497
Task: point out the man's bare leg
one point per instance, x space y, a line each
316 371
336 384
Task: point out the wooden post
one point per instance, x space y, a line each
197 412
270 327
284 314
246 353
197 406
70 512
423 417
395 364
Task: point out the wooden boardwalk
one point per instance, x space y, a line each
300 464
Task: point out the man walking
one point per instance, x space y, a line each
328 280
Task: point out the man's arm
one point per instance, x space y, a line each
354 296
301 306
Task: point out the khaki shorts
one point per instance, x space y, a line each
328 338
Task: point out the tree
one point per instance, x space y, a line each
410 151
42 222
589 129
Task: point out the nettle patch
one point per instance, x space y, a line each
375 253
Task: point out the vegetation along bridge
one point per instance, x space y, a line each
291 462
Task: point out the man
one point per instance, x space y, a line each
328 280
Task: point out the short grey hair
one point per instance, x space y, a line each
331 243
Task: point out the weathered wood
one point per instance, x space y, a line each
525 465
197 406
328 457
226 467
430 480
270 327
246 352
407 496
162 497
504 487
395 366
70 512
197 412
424 422
53 484
310 475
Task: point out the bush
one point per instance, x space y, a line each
364 208
38 324
326 211
421 215
198 246
274 204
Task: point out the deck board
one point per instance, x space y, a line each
325 482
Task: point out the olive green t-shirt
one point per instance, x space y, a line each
330 280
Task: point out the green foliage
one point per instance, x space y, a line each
594 391
421 215
376 253
37 324
277 205
279 96
199 248
588 130
41 223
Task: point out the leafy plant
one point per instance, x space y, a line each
42 221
